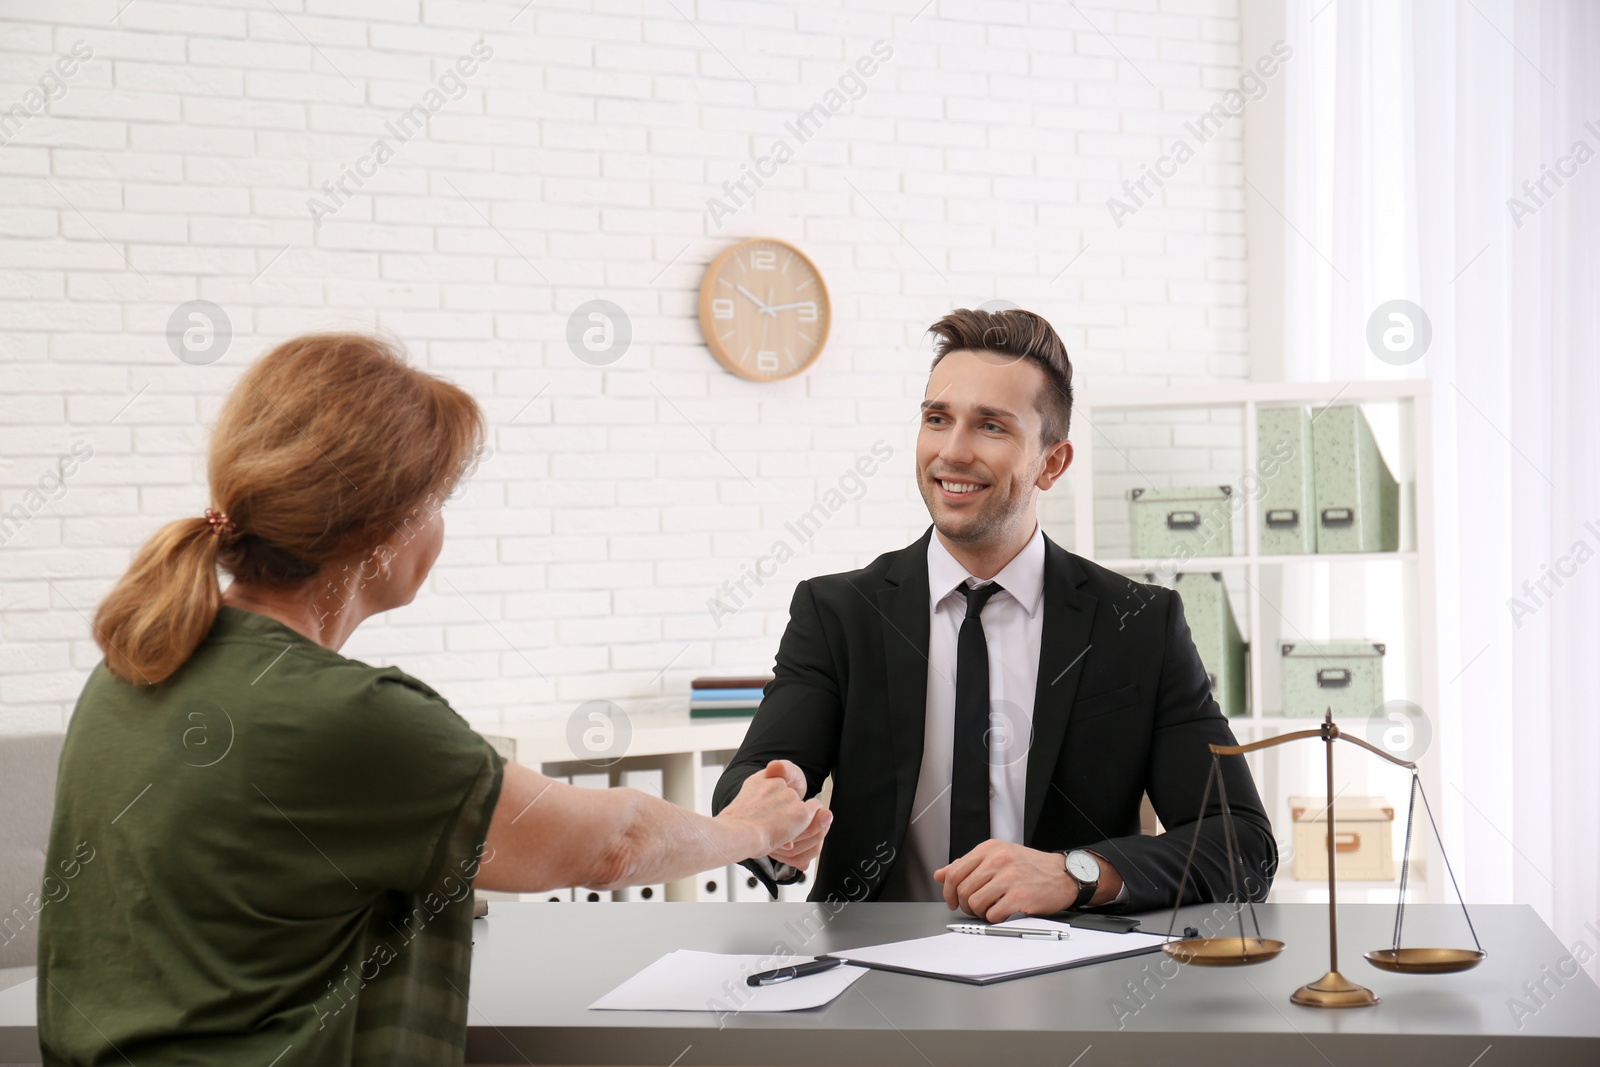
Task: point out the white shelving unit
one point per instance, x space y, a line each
1416 633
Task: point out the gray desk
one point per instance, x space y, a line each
536 967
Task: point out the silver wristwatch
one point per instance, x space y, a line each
1085 868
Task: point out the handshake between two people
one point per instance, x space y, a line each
774 802
994 881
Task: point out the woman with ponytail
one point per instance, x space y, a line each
269 849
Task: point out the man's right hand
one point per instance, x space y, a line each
773 808
803 849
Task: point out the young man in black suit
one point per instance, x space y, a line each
992 708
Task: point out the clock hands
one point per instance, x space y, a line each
772 310
756 299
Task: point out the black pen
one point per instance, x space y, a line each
799 970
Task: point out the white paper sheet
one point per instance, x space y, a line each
977 957
686 980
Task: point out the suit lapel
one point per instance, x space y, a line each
1063 648
903 611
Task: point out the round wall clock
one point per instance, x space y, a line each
764 309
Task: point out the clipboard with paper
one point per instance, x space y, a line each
979 960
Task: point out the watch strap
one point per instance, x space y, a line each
1085 893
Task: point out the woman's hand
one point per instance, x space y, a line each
548 835
769 805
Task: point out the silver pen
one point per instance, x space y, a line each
1029 933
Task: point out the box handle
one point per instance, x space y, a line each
1278 517
1183 520
1344 841
1333 677
1338 516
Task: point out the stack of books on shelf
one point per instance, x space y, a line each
716 698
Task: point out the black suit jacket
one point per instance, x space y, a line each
1123 707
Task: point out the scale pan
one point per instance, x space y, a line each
1425 960
1222 951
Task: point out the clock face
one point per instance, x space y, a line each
764 309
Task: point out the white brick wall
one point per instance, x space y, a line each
179 161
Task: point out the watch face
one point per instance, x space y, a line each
1083 867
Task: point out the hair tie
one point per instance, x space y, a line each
221 526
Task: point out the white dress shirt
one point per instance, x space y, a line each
1013 626
1013 623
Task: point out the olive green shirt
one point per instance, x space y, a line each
267 859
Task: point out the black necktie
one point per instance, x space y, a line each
969 769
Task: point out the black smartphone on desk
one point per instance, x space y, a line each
1088 920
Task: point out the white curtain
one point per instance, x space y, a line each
1412 129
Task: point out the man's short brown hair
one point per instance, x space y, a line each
1020 335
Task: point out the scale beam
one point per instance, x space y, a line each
1329 732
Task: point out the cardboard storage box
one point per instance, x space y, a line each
1182 523
1363 847
1357 499
1346 676
1288 503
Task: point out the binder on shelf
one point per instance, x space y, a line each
594 780
1357 499
1223 651
552 896
712 885
648 781
654 893
1287 507
711 770
747 887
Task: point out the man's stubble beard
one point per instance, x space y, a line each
988 526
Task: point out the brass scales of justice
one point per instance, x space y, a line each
1332 990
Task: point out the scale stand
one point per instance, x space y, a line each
1332 990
